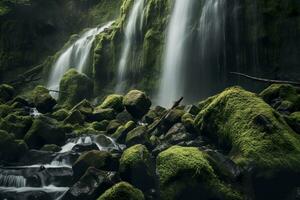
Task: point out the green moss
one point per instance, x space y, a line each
51 147
122 191
6 92
139 135
113 101
74 88
98 159
75 118
5 110
136 166
185 172
100 126
250 131
61 114
294 121
84 107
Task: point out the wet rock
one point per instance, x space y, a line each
91 185
150 117
43 101
294 121
75 117
138 135
85 147
122 190
84 107
11 150
121 133
102 114
51 147
137 103
192 109
177 134
100 126
44 131
112 126
74 87
113 101
60 115
97 159
124 117
7 92
136 167
173 117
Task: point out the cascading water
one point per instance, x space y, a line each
77 56
193 53
171 84
134 25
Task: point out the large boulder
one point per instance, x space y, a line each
122 191
91 185
185 173
139 135
113 101
136 167
283 97
7 93
137 103
10 148
42 100
74 87
100 114
255 137
44 131
97 159
16 124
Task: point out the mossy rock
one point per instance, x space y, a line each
85 107
16 124
42 100
101 114
112 126
139 135
121 133
253 135
136 167
51 147
74 87
43 131
100 126
283 97
75 117
60 114
113 101
137 103
122 191
185 173
5 110
7 92
11 149
294 121
97 159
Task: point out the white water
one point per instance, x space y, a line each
12 181
134 25
171 83
77 56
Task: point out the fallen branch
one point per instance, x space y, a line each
57 91
266 80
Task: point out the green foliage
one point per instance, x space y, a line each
122 191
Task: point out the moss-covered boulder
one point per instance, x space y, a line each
254 136
85 107
100 126
139 135
75 117
185 173
7 92
42 100
10 148
137 103
122 191
113 101
16 124
5 110
51 147
101 114
60 114
74 87
294 121
121 133
43 131
136 167
283 97
97 159
112 126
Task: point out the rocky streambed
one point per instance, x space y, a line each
234 145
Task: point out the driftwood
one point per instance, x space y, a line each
265 80
175 105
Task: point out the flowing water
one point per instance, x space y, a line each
192 55
76 56
51 179
171 86
133 27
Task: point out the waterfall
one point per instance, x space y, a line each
12 181
194 51
171 86
134 25
77 56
